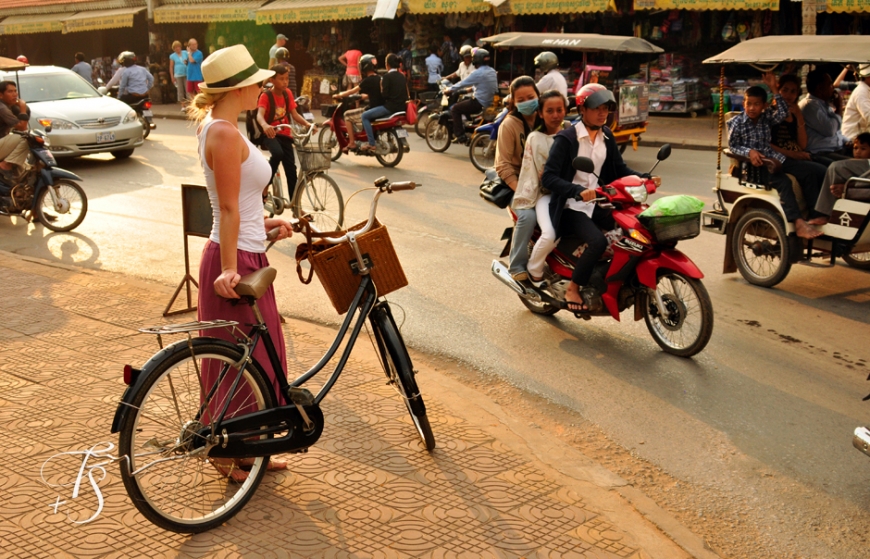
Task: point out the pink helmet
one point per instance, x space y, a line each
594 95
22 58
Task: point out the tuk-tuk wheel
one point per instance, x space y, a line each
760 248
859 260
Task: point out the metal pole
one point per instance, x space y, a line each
721 119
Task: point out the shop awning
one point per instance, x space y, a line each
104 19
520 7
37 23
572 41
844 49
709 4
293 11
447 6
207 12
847 6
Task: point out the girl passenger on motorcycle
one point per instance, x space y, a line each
522 119
574 191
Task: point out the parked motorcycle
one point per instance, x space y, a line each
391 142
429 104
645 270
47 192
303 107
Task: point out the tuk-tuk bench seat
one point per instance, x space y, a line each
743 170
858 189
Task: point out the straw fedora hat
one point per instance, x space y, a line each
231 68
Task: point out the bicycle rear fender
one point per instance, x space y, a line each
139 375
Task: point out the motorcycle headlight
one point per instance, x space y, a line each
639 193
57 123
131 116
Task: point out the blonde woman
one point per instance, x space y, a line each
178 71
235 175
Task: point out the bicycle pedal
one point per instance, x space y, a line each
300 396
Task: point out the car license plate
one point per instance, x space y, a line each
104 137
402 132
308 116
147 112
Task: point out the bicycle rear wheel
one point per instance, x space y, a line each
319 197
400 371
179 487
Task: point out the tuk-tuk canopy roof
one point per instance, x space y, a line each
572 41
797 48
10 64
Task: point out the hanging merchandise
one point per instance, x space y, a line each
728 32
743 31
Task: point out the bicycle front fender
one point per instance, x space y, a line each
139 376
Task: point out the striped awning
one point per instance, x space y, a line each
36 23
710 4
100 19
447 6
207 12
291 11
847 6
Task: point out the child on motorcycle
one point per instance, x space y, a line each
574 191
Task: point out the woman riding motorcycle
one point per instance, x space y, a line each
575 190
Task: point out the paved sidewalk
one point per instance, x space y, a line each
367 489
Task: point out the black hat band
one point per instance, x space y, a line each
236 79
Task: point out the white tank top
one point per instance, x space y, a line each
256 174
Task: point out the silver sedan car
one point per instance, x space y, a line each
82 120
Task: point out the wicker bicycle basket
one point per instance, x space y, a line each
336 267
311 158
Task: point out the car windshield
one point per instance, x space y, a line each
54 87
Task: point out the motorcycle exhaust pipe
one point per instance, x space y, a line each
501 272
861 440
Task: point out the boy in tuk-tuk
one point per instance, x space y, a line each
749 135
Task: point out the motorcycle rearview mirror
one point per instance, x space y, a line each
584 165
664 153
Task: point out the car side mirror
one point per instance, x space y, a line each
102 90
583 164
664 152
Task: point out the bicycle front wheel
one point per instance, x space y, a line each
400 371
319 197
171 479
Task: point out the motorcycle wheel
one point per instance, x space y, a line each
391 140
482 152
146 128
72 197
437 136
688 322
329 143
420 126
542 308
760 248
858 260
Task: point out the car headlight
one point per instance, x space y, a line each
131 116
639 193
57 123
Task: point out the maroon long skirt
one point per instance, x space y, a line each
211 306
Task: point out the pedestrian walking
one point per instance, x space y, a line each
178 71
351 61
280 42
194 67
83 69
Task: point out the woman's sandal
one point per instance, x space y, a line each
230 470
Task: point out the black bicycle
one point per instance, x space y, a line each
202 410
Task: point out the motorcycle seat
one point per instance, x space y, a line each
392 116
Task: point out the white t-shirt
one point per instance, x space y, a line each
597 152
464 70
856 115
553 80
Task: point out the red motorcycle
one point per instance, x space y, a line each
642 268
391 142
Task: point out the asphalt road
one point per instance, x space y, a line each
776 393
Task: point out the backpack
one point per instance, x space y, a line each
255 131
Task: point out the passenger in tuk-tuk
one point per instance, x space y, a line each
789 137
841 171
572 208
749 135
822 109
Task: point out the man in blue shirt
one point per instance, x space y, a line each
823 122
136 81
194 67
485 84
434 67
83 69
749 136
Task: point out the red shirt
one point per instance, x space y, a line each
282 114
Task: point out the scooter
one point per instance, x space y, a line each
428 105
481 151
142 108
391 142
644 269
46 192
439 130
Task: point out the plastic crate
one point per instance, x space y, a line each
312 159
673 227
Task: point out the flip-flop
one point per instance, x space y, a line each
231 471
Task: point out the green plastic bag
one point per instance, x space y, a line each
673 205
